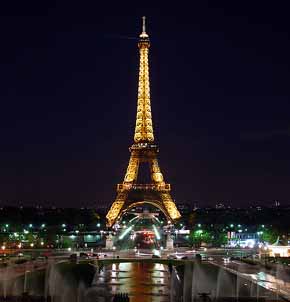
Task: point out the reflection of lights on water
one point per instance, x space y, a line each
114 270
130 274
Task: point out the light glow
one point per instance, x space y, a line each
128 230
156 232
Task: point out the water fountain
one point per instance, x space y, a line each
224 285
187 284
203 280
198 281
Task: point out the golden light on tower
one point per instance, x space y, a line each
144 128
143 150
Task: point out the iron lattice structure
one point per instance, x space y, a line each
130 193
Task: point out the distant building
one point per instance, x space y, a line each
278 249
242 239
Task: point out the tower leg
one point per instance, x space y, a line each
170 205
116 208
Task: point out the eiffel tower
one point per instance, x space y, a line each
131 193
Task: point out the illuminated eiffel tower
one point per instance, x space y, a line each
131 193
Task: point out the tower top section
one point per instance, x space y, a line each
143 34
144 128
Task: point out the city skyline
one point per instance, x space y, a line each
220 102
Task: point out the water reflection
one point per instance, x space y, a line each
143 282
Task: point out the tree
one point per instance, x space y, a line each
197 237
219 239
269 236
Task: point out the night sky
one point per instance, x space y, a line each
219 91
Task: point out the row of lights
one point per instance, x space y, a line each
3 247
232 225
43 225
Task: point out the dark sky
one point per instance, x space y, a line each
219 88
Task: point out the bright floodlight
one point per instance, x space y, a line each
156 232
125 232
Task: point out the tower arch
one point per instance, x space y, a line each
157 204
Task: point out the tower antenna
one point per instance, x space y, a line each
144 25
143 34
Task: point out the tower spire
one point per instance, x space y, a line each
144 128
143 26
